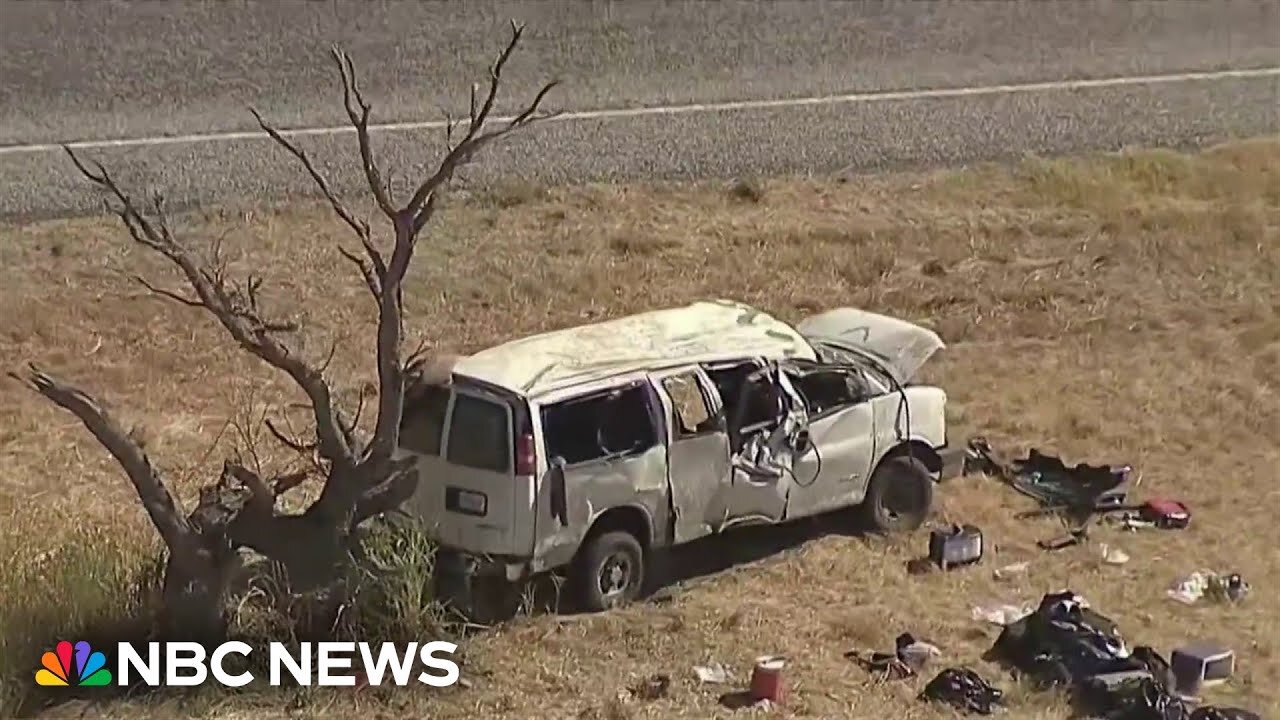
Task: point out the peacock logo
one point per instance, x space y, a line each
88 670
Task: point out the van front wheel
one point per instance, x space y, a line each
899 496
610 571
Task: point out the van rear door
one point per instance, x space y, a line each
475 490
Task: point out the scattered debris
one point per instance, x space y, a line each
652 688
1132 698
955 546
908 657
915 653
1198 666
1001 614
1008 572
887 665
1066 642
1080 490
1112 556
713 674
964 690
1165 514
1211 712
1158 513
767 682
1201 584
1075 537
1131 522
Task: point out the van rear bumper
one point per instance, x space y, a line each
456 572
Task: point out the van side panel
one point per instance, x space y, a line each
591 491
627 481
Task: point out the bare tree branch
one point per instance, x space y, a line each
156 498
284 483
176 297
368 272
259 493
358 113
408 223
421 206
374 267
234 309
388 495
359 226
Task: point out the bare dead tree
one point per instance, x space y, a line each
360 477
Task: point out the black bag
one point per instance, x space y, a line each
964 690
1145 699
1065 643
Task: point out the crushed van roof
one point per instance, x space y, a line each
702 332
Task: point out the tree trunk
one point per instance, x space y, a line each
195 595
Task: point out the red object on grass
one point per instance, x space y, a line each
767 682
1166 513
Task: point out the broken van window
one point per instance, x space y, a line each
761 401
423 420
825 390
615 423
480 434
690 404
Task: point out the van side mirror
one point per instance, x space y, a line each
558 492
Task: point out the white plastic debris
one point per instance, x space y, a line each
1001 614
1195 587
917 653
1009 572
1134 524
713 674
1113 556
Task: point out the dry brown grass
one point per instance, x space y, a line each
1110 308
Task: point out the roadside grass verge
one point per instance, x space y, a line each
1113 307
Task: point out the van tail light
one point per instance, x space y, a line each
526 455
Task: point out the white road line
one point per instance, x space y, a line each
693 108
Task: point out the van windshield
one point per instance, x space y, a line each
480 434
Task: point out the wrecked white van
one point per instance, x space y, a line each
589 448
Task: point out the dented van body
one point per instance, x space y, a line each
665 427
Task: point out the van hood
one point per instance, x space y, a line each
902 347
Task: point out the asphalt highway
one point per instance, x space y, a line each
159 91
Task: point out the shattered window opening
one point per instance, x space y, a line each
422 424
878 382
691 409
826 391
610 425
762 399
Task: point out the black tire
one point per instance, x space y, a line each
609 572
899 496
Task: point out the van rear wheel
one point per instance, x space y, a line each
610 571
